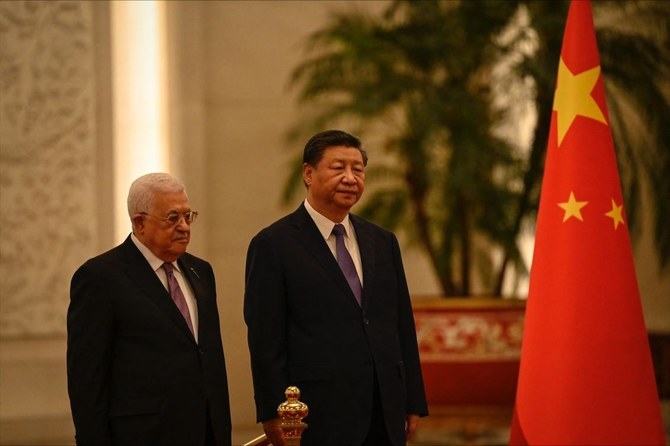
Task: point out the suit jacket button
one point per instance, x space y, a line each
366 321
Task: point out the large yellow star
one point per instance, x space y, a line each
573 97
573 208
616 214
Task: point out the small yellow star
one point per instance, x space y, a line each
572 208
573 97
616 214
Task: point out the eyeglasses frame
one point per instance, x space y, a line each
181 216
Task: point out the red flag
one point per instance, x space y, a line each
586 375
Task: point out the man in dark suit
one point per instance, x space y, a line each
145 359
328 310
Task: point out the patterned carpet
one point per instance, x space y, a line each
465 425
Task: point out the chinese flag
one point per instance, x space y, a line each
586 375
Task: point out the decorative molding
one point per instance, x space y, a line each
47 160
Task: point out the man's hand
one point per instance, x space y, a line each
412 424
272 429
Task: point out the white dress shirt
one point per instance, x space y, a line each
326 226
157 266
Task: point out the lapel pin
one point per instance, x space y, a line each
193 271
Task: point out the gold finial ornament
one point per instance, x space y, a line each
291 413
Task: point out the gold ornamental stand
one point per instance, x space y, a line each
291 413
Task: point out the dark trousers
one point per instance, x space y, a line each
209 435
377 435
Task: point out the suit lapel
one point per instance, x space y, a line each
366 247
139 270
310 238
193 277
199 291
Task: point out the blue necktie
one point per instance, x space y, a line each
177 294
346 263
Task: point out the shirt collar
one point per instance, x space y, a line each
325 225
154 261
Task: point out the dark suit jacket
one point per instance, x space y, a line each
305 328
136 376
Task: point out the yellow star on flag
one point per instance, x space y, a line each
573 97
573 208
616 214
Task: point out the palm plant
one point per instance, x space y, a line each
635 59
427 76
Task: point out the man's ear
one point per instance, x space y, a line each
138 223
307 172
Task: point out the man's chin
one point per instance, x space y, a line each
178 249
347 200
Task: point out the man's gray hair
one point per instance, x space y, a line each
143 189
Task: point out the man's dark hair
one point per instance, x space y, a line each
318 144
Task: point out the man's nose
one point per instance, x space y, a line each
349 176
183 224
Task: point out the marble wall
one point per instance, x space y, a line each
55 178
47 160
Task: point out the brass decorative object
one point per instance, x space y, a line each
291 413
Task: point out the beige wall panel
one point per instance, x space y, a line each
47 160
55 153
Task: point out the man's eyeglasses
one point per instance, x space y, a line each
174 218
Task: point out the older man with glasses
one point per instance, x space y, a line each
145 359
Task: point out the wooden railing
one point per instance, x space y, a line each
291 413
